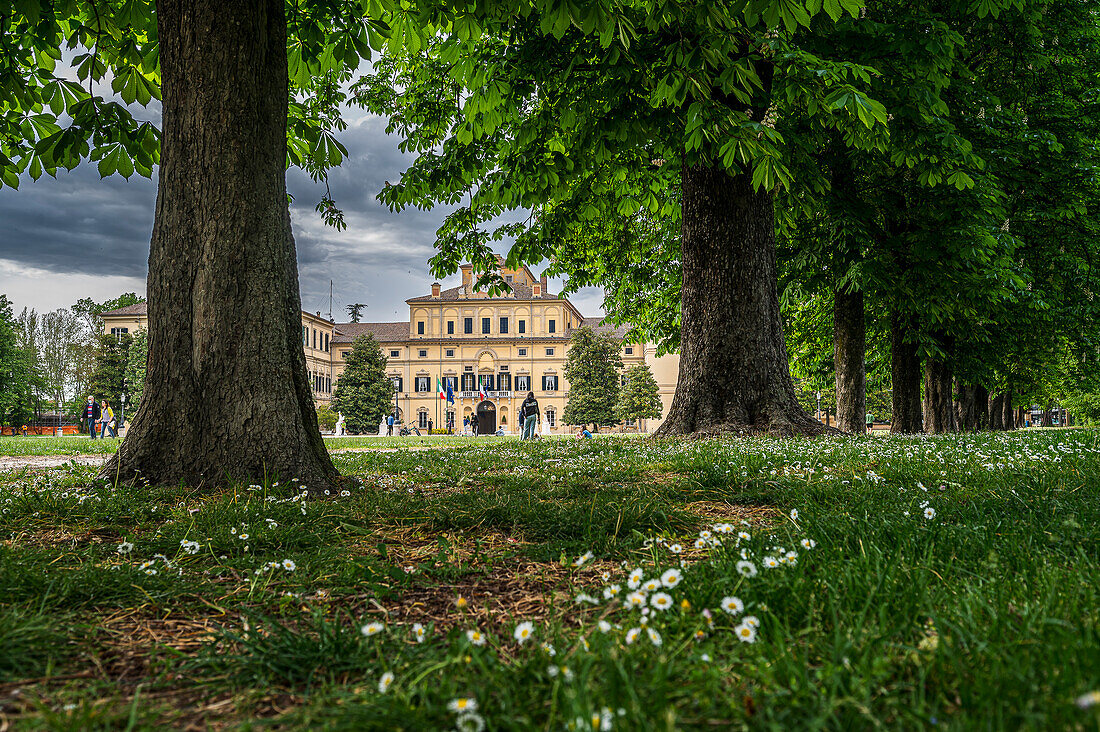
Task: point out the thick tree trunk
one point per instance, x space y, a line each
981 407
996 412
939 413
966 410
849 344
734 371
1047 420
1020 413
227 395
905 372
1008 418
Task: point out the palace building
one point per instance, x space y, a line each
490 349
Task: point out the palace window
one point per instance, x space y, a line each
523 326
344 354
487 382
450 353
504 381
450 327
504 325
451 381
314 339
551 417
423 353
468 368
523 351
119 332
549 382
393 354
468 383
305 336
507 278
628 351
423 384
398 383
552 325
486 325
549 351
420 327
467 325
326 342
422 419
523 383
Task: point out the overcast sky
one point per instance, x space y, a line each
82 236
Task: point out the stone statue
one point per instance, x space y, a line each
382 428
340 425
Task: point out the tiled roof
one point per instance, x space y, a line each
382 332
140 308
598 325
519 292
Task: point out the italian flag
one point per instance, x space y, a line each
440 389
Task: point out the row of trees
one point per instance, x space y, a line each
931 165
600 391
56 359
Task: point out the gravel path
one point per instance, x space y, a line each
18 462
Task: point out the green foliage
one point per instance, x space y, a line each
20 383
136 362
326 417
111 361
639 397
364 394
592 369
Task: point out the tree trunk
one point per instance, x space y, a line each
996 412
1020 412
734 371
227 395
1008 418
905 373
849 344
981 407
966 411
939 414
1047 421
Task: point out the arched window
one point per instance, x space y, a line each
551 417
422 419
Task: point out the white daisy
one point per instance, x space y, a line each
652 585
671 578
384 682
523 632
463 705
635 599
604 626
732 605
419 632
794 514
635 579
125 547
808 543
745 633
746 568
654 636
475 637
371 629
929 513
632 635
289 565
661 601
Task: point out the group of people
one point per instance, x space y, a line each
100 415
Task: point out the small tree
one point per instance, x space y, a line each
363 392
112 356
19 383
592 369
639 398
326 418
135 368
355 312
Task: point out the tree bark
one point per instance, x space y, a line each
734 371
905 371
1020 413
939 413
1008 417
996 412
966 408
849 345
981 407
1047 420
227 396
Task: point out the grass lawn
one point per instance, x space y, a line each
843 583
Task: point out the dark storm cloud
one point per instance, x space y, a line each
81 224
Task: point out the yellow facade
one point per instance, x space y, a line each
508 344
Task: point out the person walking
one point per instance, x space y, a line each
430 426
389 425
473 423
91 415
530 411
465 425
108 417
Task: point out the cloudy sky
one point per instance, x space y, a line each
82 236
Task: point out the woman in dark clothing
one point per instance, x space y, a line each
530 411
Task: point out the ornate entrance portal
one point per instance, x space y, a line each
486 418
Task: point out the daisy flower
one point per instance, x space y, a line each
929 513
794 514
652 585
746 568
523 632
661 601
635 599
611 591
604 626
419 632
744 535
371 629
384 682
671 578
635 579
583 559
675 548
632 635
549 649
732 605
808 543
654 636
771 562
125 547
745 633
751 620
289 565
463 705
469 722
476 637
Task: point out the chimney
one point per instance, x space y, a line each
466 277
435 289
543 283
536 290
